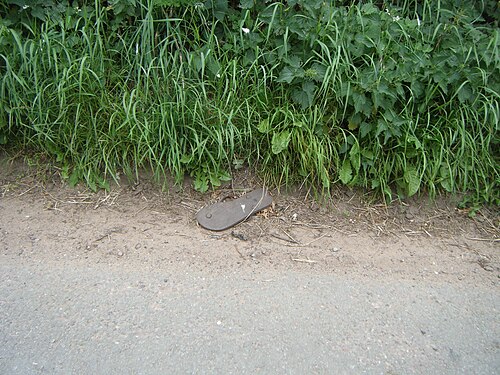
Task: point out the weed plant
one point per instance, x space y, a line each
398 97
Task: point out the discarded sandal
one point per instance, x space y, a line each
224 215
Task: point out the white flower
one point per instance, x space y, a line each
26 6
217 75
245 30
396 18
418 21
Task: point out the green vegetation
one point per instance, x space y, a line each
398 97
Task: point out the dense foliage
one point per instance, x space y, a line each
397 96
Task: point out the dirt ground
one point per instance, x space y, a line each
138 223
126 281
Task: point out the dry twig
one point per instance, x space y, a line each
304 260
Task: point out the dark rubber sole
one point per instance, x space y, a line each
224 215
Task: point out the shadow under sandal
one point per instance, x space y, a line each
224 215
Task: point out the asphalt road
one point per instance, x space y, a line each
65 318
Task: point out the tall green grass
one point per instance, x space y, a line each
182 92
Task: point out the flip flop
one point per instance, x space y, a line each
224 215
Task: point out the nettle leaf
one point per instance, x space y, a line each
345 172
417 88
345 89
309 87
246 4
381 100
286 75
300 97
369 9
362 39
465 93
362 103
354 121
305 95
280 141
381 127
317 72
294 61
365 128
219 7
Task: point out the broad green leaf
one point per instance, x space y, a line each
361 103
446 185
304 97
298 124
368 154
465 93
264 126
300 97
446 180
294 61
280 141
219 7
365 128
355 157
92 184
216 178
415 141
74 178
103 184
417 88
238 163
246 4
354 122
185 159
309 88
286 75
345 172
369 9
200 183
224 176
412 180
213 65
316 72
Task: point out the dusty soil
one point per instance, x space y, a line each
139 224
126 279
